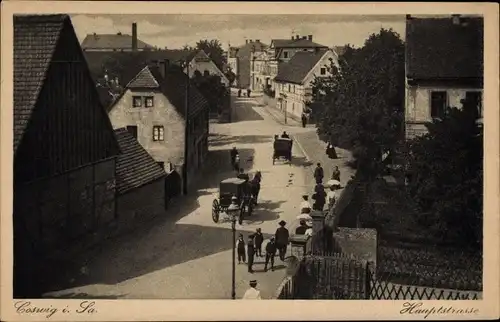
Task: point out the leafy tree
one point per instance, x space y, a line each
361 104
214 50
230 75
446 175
214 91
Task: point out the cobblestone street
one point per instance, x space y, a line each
187 255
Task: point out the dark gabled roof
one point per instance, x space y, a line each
295 70
296 43
143 79
110 41
438 49
35 40
135 167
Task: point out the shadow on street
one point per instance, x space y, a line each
243 111
221 140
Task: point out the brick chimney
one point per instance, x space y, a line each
310 37
246 41
257 40
297 37
134 36
293 37
250 40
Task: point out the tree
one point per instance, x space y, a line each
446 168
230 75
214 91
361 104
213 48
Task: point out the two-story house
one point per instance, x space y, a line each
64 147
115 42
153 108
444 65
293 84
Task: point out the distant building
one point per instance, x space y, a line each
232 62
444 65
115 42
152 108
64 146
243 61
293 84
140 181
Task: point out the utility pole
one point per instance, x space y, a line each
186 132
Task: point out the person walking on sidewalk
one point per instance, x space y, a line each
241 249
258 239
319 173
270 253
250 253
252 293
331 197
336 174
319 197
330 151
282 236
248 92
304 119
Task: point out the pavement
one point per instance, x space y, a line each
184 254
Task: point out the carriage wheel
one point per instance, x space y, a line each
215 211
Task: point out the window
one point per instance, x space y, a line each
285 54
132 129
323 71
137 101
438 104
289 88
476 98
206 73
149 101
161 164
158 133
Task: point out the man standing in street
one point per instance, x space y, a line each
318 174
258 239
270 253
304 119
252 293
250 253
282 236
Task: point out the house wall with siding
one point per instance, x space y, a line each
163 113
418 105
141 204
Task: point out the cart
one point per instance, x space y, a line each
282 150
227 189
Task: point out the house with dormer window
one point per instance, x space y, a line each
152 108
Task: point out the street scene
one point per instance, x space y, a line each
278 161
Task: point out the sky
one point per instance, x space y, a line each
175 31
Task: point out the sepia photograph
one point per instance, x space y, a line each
242 156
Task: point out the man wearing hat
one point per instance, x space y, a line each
282 236
301 230
252 293
250 253
270 253
258 240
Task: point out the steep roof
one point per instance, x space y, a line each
295 70
438 49
296 43
144 79
112 41
35 40
134 167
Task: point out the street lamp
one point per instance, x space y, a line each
233 211
185 65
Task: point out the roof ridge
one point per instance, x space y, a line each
145 69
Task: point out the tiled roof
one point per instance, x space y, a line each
35 39
296 43
135 167
144 79
295 70
438 49
108 41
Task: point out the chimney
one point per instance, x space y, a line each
456 19
246 41
257 40
293 37
310 37
134 36
304 37
164 65
408 17
250 40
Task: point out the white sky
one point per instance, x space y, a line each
175 31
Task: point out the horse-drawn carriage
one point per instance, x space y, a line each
228 188
282 149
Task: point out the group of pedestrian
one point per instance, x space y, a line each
253 248
249 91
320 196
